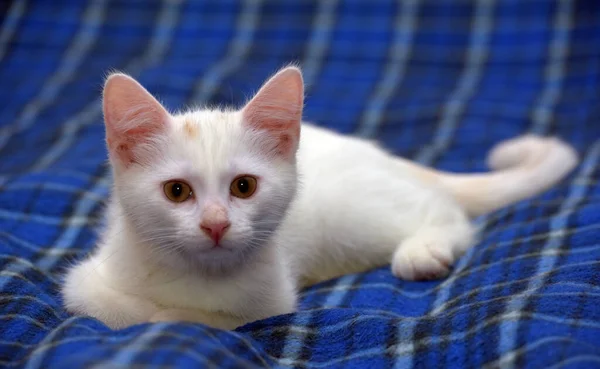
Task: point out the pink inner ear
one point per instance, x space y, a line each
132 115
277 109
125 143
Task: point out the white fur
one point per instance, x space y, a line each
343 205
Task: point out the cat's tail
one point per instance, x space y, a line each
522 167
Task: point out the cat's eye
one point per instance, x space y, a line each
243 187
177 191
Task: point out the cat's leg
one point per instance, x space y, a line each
432 249
86 292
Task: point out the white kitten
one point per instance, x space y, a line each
220 216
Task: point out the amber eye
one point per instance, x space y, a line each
177 191
243 187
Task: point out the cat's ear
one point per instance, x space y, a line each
277 110
131 115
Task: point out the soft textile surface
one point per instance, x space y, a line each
437 81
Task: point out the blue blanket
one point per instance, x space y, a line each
436 81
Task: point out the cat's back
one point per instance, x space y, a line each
316 141
320 144
325 150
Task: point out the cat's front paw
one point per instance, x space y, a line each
214 320
169 315
423 257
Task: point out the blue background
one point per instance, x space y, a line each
436 81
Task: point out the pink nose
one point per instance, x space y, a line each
215 230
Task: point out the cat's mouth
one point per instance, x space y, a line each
205 254
216 249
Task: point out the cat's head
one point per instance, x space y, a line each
204 188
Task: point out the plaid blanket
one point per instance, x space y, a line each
437 81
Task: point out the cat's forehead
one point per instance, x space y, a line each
203 123
216 136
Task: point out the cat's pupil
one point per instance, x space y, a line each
177 189
243 185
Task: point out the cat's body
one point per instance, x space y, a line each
324 205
